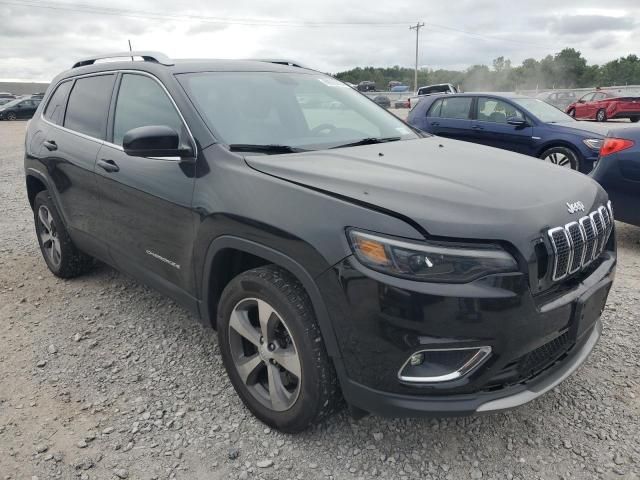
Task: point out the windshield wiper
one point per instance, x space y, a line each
273 149
369 141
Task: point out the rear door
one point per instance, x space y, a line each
77 118
26 109
451 117
146 202
491 128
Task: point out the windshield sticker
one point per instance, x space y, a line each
331 82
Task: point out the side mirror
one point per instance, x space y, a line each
517 121
154 141
581 101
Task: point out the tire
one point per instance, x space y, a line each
634 119
561 156
298 401
61 255
572 113
601 115
11 116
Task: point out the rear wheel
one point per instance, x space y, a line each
601 116
562 157
273 351
61 255
634 119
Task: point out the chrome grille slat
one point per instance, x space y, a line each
577 244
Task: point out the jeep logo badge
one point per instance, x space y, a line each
575 207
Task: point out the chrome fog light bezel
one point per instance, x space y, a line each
477 359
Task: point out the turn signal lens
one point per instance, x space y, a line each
615 145
372 250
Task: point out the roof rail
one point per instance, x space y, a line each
155 57
281 61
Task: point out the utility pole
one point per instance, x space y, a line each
417 28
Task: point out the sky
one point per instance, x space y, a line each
40 38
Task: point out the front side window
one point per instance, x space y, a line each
303 110
496 111
456 107
88 105
143 102
588 97
55 108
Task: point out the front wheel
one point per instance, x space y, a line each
11 116
273 351
634 119
562 157
572 113
601 116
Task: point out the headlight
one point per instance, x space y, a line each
429 261
593 143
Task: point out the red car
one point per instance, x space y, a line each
602 106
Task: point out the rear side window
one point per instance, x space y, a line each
55 108
88 105
142 102
456 107
435 109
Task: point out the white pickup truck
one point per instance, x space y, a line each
431 90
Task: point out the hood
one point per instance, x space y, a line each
447 187
587 128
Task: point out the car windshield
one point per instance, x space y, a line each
304 111
12 103
543 111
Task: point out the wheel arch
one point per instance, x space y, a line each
559 143
219 269
35 184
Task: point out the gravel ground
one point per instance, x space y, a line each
101 377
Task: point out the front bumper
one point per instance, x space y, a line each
382 324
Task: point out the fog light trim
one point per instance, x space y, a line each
480 355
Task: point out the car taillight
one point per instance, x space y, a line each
615 145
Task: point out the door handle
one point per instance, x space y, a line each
50 145
435 124
108 165
477 127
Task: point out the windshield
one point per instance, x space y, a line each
301 110
12 103
543 111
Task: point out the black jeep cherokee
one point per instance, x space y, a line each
337 252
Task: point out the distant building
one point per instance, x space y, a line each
23 88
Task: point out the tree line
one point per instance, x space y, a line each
566 69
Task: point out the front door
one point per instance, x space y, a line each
492 129
146 202
582 107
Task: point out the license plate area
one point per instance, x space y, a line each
589 307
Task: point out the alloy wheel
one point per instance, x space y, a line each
559 159
264 354
601 116
11 116
48 234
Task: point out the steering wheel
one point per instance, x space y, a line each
323 127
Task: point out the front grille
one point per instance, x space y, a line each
577 244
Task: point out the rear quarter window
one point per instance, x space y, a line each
88 105
55 108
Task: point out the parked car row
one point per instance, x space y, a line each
19 108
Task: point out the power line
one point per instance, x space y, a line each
148 15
